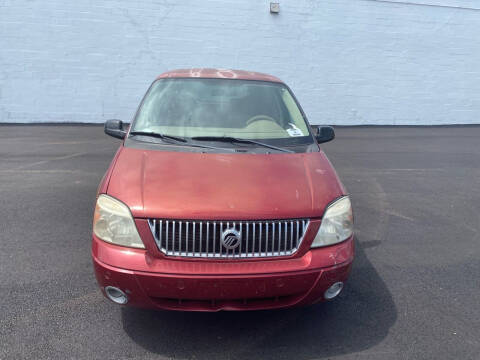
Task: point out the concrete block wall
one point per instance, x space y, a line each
348 61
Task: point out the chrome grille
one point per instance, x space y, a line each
204 238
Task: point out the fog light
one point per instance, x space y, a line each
333 290
116 295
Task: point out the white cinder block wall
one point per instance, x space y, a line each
348 61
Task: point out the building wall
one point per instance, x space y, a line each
348 61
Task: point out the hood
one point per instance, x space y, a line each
188 185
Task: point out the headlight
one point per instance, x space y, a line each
113 223
337 223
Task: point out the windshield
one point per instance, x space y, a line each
243 109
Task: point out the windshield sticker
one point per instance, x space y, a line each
294 130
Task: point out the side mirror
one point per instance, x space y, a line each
115 128
324 134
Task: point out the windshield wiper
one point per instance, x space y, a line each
232 139
183 141
158 135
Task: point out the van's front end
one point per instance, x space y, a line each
220 198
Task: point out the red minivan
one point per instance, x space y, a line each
220 198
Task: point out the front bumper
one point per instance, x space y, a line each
180 284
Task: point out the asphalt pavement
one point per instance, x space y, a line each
414 292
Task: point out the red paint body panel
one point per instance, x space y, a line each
219 74
187 185
102 187
221 285
143 260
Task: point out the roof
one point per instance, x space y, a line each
218 74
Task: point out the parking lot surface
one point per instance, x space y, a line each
414 292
